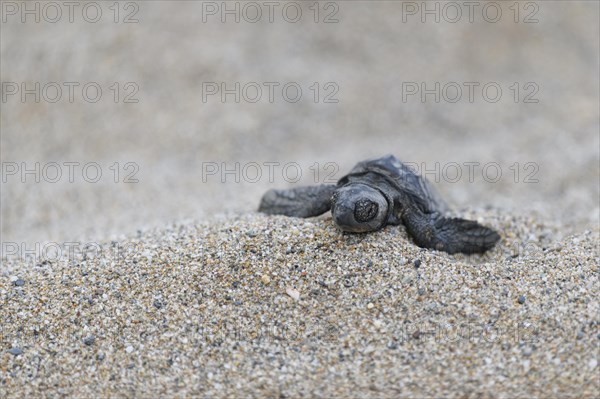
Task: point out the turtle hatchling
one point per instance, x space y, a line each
382 192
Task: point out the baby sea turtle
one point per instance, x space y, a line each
380 192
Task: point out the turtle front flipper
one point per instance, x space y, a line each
449 234
302 202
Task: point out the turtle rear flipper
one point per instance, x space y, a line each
302 202
449 234
466 236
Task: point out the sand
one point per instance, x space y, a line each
170 284
284 307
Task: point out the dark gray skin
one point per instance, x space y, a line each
380 192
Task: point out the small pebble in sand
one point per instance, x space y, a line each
265 279
522 299
292 292
19 282
15 351
89 341
370 306
417 263
129 349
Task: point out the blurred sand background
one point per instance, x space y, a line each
368 54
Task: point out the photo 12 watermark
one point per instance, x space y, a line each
69 92
271 92
48 253
452 12
69 172
270 171
326 12
469 92
53 12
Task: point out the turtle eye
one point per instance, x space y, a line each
365 210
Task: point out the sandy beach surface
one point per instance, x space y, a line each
279 307
158 278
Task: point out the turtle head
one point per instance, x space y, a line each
358 208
